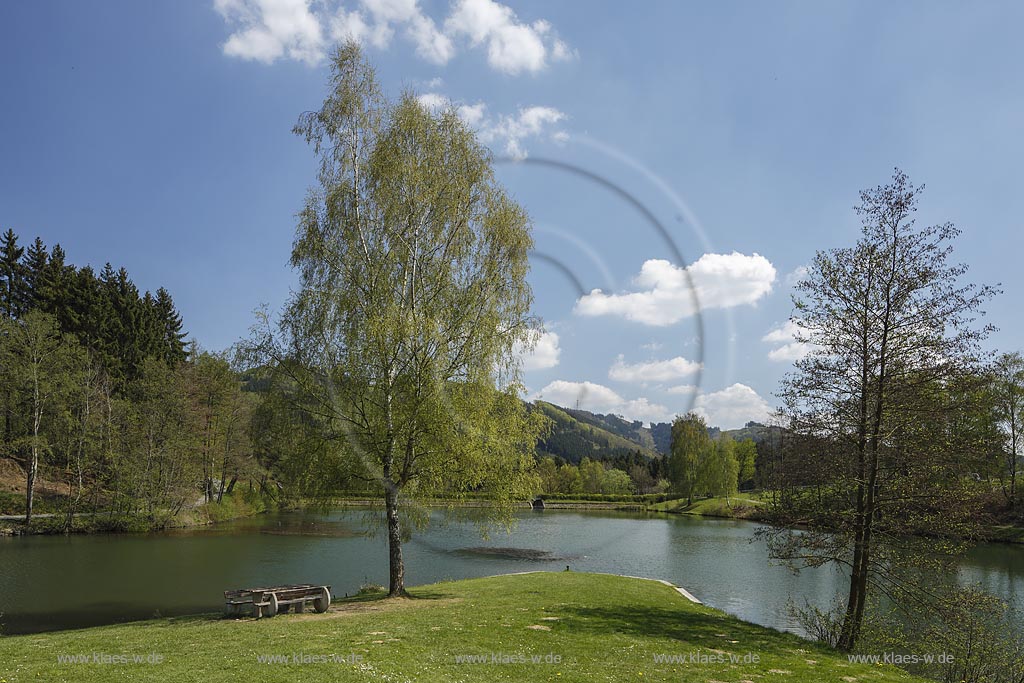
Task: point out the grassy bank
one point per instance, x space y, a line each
739 506
584 627
750 506
231 507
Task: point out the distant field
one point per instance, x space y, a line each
742 505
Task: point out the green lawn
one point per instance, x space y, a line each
741 505
597 627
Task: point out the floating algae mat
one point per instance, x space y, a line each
510 553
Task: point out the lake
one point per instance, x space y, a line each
57 582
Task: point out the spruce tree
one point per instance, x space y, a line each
12 276
53 293
172 338
35 261
109 325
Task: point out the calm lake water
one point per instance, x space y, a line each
50 583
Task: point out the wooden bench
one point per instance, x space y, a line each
276 600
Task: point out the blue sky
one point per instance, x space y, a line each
157 136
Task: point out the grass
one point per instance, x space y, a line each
741 506
12 503
230 507
598 627
1007 533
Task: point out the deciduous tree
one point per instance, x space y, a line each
412 263
876 457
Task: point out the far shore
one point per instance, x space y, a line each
742 507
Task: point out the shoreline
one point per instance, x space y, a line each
1003 534
577 626
192 518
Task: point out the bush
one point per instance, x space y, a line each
824 626
232 506
974 629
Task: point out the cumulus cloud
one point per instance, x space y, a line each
472 114
598 398
544 354
789 344
796 275
512 46
653 371
685 389
376 21
267 30
732 407
507 132
433 101
514 130
665 296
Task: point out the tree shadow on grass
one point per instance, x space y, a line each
700 629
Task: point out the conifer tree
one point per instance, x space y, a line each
35 262
172 338
12 276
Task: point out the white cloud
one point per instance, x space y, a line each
267 30
685 389
512 46
431 44
600 399
788 340
653 371
544 354
796 275
376 21
507 131
472 114
732 407
719 281
353 25
529 122
433 101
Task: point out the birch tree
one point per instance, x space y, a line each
398 344
39 365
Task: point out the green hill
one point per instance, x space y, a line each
756 431
577 434
633 431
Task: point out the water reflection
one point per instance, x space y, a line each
51 583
